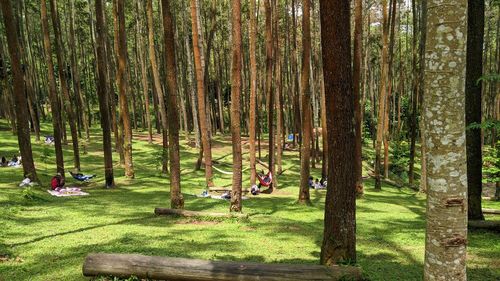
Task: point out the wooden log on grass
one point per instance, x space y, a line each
491 211
485 225
186 213
219 189
174 269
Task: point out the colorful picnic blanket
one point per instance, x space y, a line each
69 191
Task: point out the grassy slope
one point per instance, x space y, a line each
53 235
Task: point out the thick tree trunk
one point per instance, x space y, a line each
444 124
23 130
205 138
176 200
103 92
64 83
236 105
306 105
54 99
123 88
473 98
339 238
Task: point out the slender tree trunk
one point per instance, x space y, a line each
64 83
421 96
306 105
324 134
339 238
103 92
446 235
235 105
278 89
384 65
123 88
23 130
253 90
473 98
176 200
54 99
76 73
358 51
205 138
144 72
269 89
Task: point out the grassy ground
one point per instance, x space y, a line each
48 238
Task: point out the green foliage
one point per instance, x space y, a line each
491 160
27 193
400 158
488 124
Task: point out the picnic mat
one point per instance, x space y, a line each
70 191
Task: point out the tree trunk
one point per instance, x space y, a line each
269 89
103 92
358 51
144 72
176 200
23 130
384 69
444 124
339 240
205 138
54 99
473 98
123 88
236 105
306 105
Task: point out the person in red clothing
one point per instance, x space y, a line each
57 182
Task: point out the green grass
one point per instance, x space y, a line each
51 236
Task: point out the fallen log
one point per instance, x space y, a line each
491 211
186 213
218 189
176 269
486 225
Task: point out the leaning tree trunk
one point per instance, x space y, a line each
123 88
444 124
23 130
253 90
236 105
103 92
64 83
473 98
339 238
205 138
305 153
54 100
176 200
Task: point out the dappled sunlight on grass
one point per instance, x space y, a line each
53 235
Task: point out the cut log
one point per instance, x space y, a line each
218 189
186 213
491 211
177 269
487 225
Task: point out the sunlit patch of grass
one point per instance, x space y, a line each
52 236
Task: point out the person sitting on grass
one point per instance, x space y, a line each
57 182
310 182
255 190
4 162
15 161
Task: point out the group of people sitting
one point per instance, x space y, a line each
14 162
318 183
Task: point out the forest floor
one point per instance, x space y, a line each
47 238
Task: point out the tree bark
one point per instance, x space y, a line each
339 238
473 113
54 99
103 92
306 105
205 138
269 88
236 105
176 200
123 88
23 130
358 51
444 124
253 90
